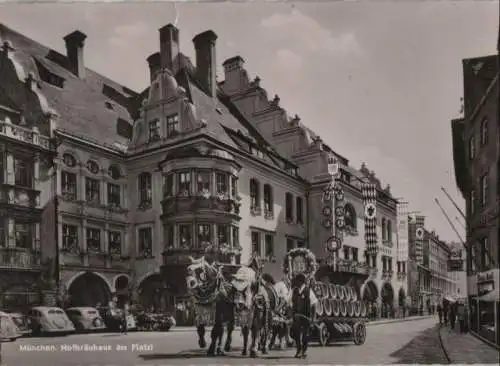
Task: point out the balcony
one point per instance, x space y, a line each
222 252
27 135
19 259
19 196
80 258
188 204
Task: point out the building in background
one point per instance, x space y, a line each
442 281
457 270
25 156
403 259
476 158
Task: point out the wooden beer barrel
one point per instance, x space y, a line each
357 308
332 291
327 307
340 294
319 308
363 309
354 294
336 307
318 290
324 289
347 293
350 308
343 308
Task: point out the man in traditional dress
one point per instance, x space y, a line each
302 301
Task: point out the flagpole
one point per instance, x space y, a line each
454 203
451 223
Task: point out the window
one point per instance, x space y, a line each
389 264
472 202
290 244
69 160
484 252
389 230
254 194
93 240
70 238
115 242
256 243
484 189
384 263
472 147
300 244
269 245
185 183
68 185
169 236
145 242
2 168
145 189
350 216
236 236
355 254
168 185
367 258
234 186
173 125
403 267
484 131
374 261
346 250
268 201
23 173
23 235
399 267
154 130
2 232
203 179
185 235
92 167
221 180
92 190
384 228
204 234
223 234
299 204
114 194
289 207
114 172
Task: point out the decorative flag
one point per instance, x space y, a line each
419 238
402 227
369 193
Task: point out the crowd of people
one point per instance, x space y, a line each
453 312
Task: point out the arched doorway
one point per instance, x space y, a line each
88 289
387 297
153 294
401 297
122 289
369 294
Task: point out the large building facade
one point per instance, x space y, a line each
476 150
142 181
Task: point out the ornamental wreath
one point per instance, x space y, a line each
312 265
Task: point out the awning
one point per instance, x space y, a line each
490 296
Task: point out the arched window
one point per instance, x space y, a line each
145 189
268 201
389 230
350 216
384 229
69 160
92 167
254 195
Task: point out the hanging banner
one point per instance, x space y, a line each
419 238
402 243
369 193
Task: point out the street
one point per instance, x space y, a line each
400 342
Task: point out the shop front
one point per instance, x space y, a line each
485 306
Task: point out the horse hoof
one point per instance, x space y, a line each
253 354
202 343
227 348
220 353
264 352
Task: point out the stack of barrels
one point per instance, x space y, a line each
338 301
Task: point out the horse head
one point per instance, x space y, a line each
242 283
201 275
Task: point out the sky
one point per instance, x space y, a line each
378 81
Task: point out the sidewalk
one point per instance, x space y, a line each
465 348
370 323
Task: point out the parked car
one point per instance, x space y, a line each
86 319
49 320
113 319
22 322
8 329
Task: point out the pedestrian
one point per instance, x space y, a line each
302 301
440 313
461 317
445 311
125 314
453 315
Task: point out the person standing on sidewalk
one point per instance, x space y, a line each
440 313
461 317
453 316
446 309
125 314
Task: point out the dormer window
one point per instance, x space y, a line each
154 130
173 125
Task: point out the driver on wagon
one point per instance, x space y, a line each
301 301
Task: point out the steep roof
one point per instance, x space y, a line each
90 107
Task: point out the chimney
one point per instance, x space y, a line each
74 51
204 44
154 62
169 48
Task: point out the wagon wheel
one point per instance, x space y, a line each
359 334
324 334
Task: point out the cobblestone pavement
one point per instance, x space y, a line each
385 344
467 349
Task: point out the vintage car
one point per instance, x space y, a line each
22 322
8 329
49 320
113 319
86 319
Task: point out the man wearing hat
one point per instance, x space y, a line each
302 301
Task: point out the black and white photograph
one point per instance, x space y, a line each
249 182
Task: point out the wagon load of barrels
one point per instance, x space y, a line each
336 300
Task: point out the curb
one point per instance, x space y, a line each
441 344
